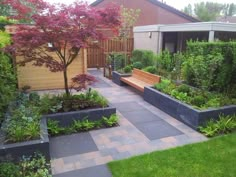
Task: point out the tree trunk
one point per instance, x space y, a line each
66 82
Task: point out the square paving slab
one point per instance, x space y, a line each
157 129
140 116
69 145
128 106
97 171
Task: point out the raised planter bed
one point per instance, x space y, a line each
15 151
67 118
183 112
116 78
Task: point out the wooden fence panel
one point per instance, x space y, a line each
97 55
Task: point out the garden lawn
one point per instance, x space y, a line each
213 158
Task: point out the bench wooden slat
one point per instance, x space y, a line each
140 79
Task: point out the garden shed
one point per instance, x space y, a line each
40 78
174 37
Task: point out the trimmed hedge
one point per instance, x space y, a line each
211 66
146 57
7 76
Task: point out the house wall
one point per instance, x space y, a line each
150 13
40 78
143 41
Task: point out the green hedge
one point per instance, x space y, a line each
146 57
211 66
7 76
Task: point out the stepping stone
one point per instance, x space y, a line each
68 145
157 129
96 171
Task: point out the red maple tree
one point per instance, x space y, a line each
61 29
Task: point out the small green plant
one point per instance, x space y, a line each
8 169
151 69
138 65
179 95
30 166
198 101
183 88
53 127
224 125
111 121
162 85
127 69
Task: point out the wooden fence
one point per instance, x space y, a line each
96 54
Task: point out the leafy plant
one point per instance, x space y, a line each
32 166
82 81
162 85
224 125
7 76
137 65
23 125
127 69
198 101
145 57
111 121
9 170
151 69
53 127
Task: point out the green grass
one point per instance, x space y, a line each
214 158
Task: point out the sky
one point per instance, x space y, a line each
178 4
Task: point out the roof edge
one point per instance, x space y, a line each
96 2
174 10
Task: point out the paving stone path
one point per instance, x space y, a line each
143 128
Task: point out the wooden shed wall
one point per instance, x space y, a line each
40 78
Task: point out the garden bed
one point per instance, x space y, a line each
116 78
67 118
183 112
15 151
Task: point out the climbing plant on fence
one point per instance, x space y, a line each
211 66
7 76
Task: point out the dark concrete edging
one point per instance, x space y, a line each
116 78
67 118
183 112
15 151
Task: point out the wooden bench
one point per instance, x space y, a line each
139 79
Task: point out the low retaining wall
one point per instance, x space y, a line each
15 151
183 112
116 78
67 118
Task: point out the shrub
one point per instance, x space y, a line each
7 77
215 60
127 69
198 101
138 65
162 85
151 69
111 121
9 170
184 88
146 57
116 60
224 125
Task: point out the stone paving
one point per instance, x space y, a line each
143 128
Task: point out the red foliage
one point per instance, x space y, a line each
82 81
66 28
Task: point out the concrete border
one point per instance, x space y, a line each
116 78
67 118
183 112
15 151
